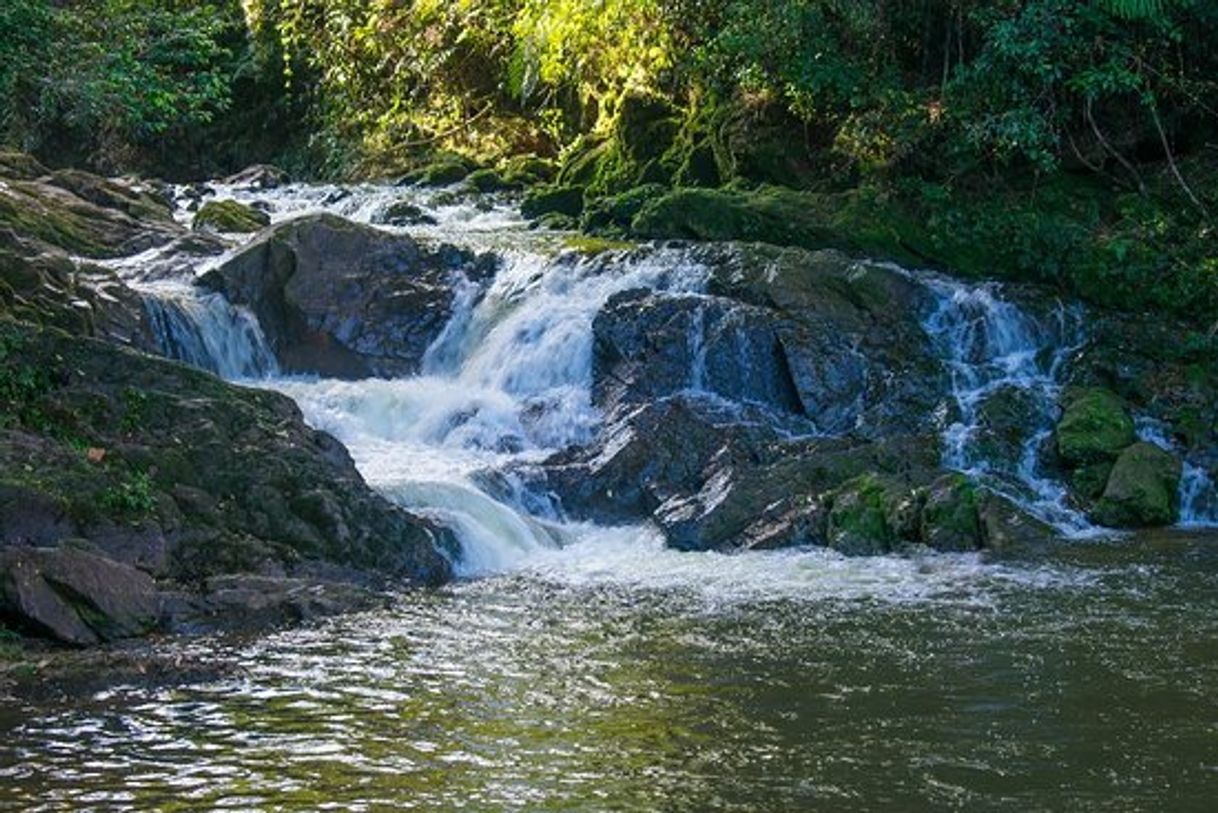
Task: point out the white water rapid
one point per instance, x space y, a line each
509 380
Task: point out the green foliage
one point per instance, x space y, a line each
133 497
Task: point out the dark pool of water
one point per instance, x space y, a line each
1090 683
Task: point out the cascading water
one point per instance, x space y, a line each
509 378
996 352
1198 492
204 330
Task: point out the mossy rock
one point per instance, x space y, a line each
849 221
1094 427
441 173
563 200
556 221
613 214
21 166
527 170
859 518
1143 489
950 517
230 216
1087 482
486 180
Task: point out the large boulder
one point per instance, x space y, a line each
650 344
75 596
160 468
851 334
1095 426
1142 490
83 214
345 300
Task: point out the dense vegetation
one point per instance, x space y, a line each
1071 141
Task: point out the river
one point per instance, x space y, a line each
577 667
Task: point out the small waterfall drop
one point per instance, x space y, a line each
1002 358
206 331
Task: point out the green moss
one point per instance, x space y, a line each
1143 489
230 216
486 180
858 519
527 170
613 215
563 200
1094 426
595 245
443 171
131 498
950 517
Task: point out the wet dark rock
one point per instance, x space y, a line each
74 596
345 300
44 285
404 213
851 334
258 176
176 478
649 345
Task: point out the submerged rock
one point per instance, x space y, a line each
345 300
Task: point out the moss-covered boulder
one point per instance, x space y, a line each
544 200
445 170
83 214
174 477
773 215
859 518
612 215
231 217
527 170
486 180
1143 489
950 519
1095 426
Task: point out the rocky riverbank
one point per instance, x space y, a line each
795 396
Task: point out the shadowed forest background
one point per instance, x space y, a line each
1064 141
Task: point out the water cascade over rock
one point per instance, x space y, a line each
732 396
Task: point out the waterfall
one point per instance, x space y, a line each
508 379
204 330
994 350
